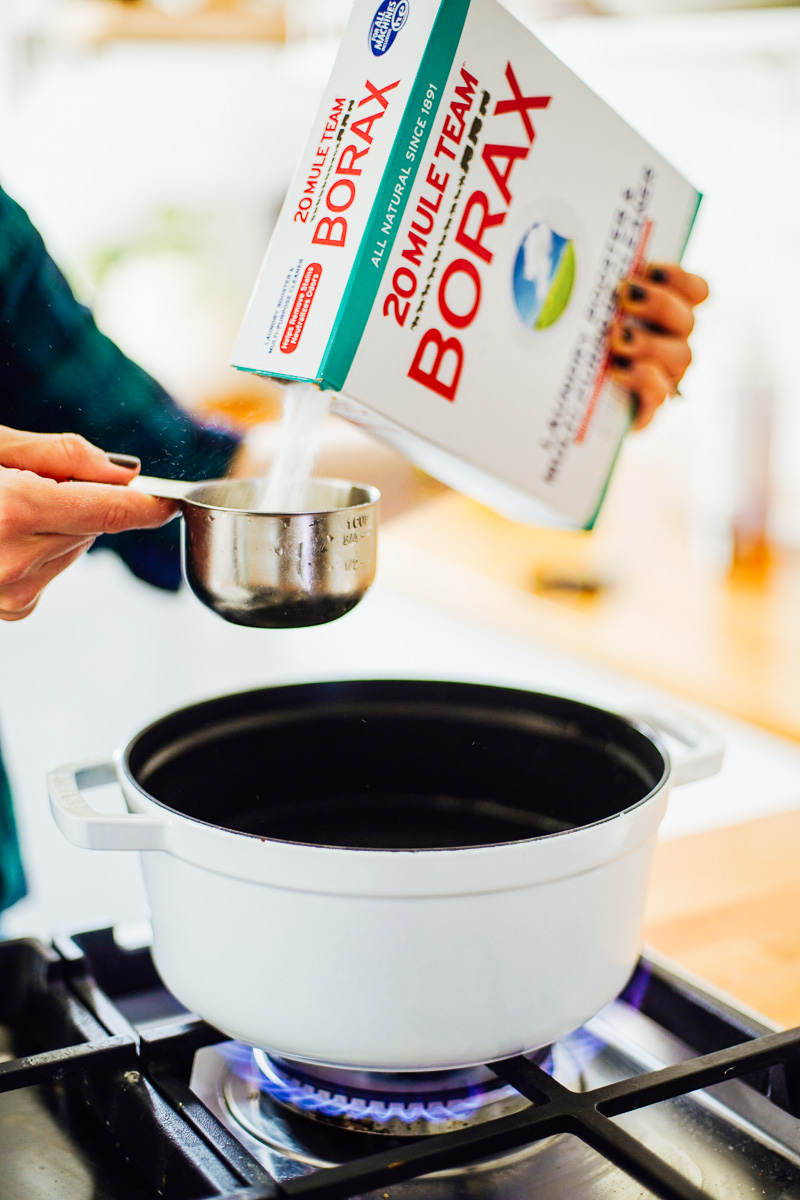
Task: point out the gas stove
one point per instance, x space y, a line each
110 1090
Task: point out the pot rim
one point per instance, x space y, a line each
372 493
637 724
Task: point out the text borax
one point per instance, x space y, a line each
439 359
341 192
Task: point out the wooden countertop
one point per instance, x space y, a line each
630 597
726 905
99 22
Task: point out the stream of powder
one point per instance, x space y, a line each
305 409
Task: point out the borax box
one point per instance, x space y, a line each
448 251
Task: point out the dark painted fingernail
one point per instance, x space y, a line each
626 333
657 274
129 461
636 293
636 404
620 363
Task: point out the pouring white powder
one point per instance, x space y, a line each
305 410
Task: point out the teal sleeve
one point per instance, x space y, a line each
59 373
12 878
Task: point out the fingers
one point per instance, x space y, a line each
663 309
648 385
24 555
693 288
62 456
94 508
19 598
648 342
32 505
51 546
45 526
629 342
47 520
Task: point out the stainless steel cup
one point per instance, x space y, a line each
275 570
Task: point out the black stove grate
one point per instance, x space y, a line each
86 1001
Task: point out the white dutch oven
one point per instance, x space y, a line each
396 875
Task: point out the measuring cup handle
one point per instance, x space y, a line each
166 489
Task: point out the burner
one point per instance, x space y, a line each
397 1104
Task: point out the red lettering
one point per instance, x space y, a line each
487 221
458 112
434 207
442 349
351 168
333 119
466 94
442 149
378 94
451 131
418 244
427 216
459 266
520 103
510 154
329 238
437 181
351 195
439 360
363 127
400 274
400 310
300 308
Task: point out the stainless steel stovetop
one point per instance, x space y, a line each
728 1141
109 1090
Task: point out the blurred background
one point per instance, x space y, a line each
151 141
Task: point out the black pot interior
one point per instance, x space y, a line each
395 765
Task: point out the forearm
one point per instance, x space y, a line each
59 373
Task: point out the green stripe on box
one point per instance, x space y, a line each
365 277
691 224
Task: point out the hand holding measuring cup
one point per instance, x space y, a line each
275 570
57 495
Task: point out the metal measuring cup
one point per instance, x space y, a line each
274 570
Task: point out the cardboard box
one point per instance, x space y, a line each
446 257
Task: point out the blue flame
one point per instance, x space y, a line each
307 1098
566 1060
241 1061
258 1070
573 1055
637 985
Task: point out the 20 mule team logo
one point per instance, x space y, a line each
543 275
386 24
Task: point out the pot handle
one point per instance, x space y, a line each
167 489
85 826
699 750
